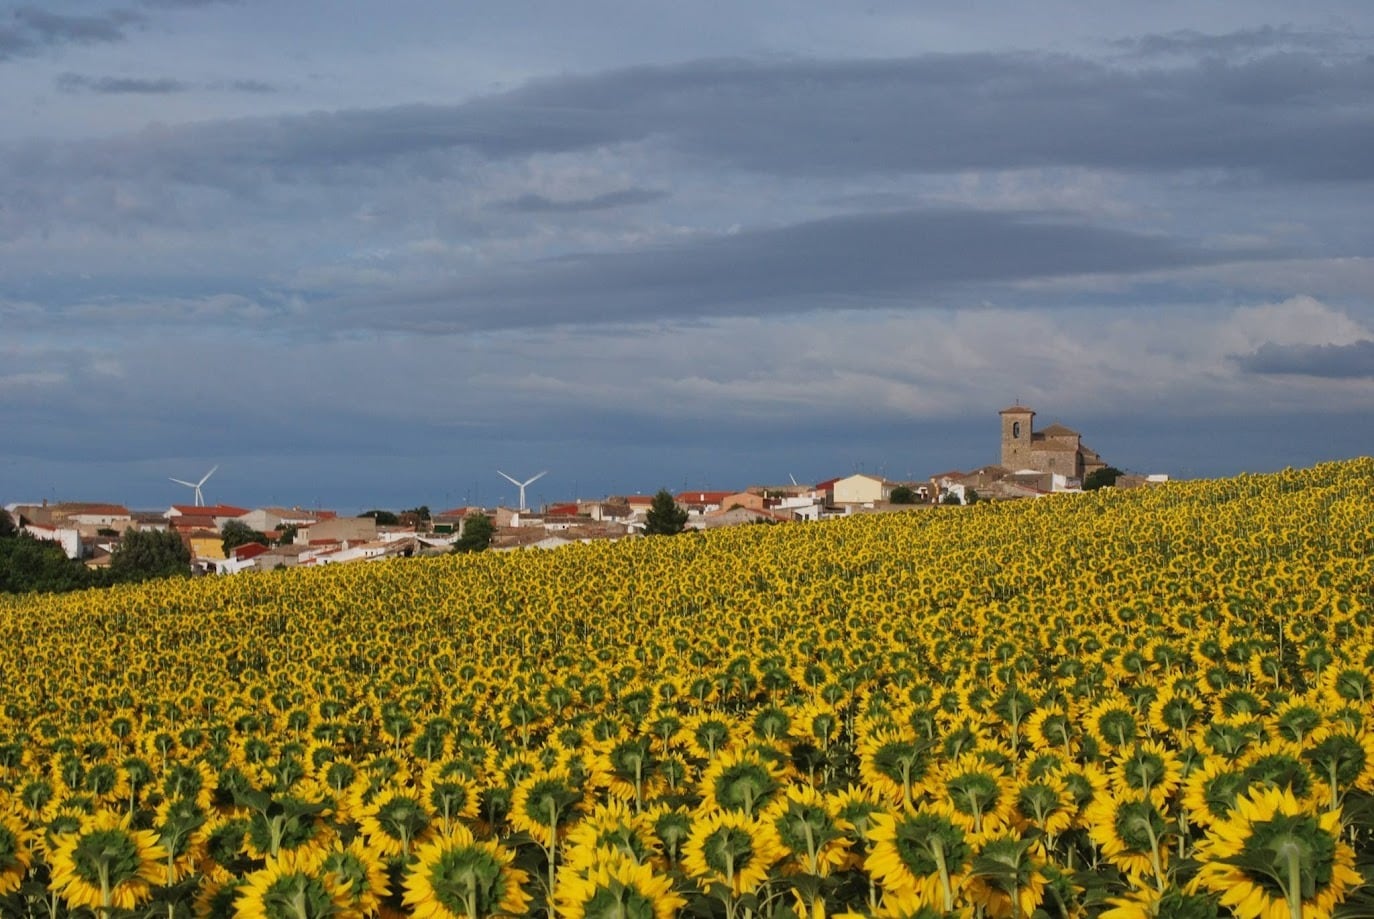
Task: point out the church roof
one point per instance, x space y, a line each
1017 410
1058 430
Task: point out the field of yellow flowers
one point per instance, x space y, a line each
1117 705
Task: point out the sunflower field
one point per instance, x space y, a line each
1115 705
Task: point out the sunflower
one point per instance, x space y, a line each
925 854
1007 876
291 822
894 763
612 827
806 825
219 843
819 722
360 873
744 781
217 895
1046 804
1150 769
709 733
1210 792
1051 728
544 804
455 875
1113 723
292 884
631 768
1173 713
1130 830
449 798
616 887
107 864
177 821
396 821
1149 902
980 797
1343 759
1275 857
671 826
15 855
731 848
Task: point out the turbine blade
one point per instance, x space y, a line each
187 484
537 478
208 474
506 477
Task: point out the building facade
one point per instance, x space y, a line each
1057 449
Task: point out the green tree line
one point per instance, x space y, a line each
28 564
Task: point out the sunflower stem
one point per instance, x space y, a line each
1154 856
103 872
937 849
1294 886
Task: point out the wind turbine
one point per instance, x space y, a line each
200 498
522 484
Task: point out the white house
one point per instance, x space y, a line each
69 538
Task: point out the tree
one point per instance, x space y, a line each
903 494
287 534
477 533
383 518
665 518
950 498
421 512
970 496
145 554
7 528
30 564
236 533
1101 478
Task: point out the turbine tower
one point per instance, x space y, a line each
200 498
522 485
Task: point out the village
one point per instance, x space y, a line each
1032 464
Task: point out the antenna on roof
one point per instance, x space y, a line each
200 498
522 484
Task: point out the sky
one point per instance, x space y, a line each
364 255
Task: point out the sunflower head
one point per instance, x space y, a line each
1276 855
617 887
293 883
107 863
731 848
455 875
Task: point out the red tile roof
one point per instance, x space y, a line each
703 497
209 510
1017 410
249 550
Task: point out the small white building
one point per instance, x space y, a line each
861 489
69 538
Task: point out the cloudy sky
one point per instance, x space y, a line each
365 254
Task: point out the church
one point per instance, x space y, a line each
1057 449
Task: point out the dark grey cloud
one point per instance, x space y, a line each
252 86
540 204
850 262
1288 116
1191 43
1354 361
79 83
32 29
187 4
